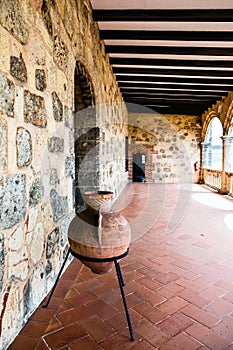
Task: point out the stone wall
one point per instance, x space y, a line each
170 144
42 42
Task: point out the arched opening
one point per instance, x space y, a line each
213 142
86 136
139 161
229 151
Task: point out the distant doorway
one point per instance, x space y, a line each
139 161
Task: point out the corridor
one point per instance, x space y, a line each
178 274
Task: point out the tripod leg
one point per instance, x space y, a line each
58 276
121 284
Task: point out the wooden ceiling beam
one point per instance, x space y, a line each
166 35
170 62
169 50
178 80
174 71
164 15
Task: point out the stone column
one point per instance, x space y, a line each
204 160
227 151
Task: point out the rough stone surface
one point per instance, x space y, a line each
3 144
52 243
60 52
27 300
18 68
55 144
40 78
7 96
54 178
59 205
70 166
57 107
2 260
34 109
11 19
12 200
18 264
37 246
36 192
24 147
16 239
47 17
170 144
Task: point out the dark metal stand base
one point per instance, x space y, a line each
119 276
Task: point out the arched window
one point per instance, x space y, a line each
213 141
229 152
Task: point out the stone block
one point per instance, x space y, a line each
3 144
40 79
37 245
18 263
18 68
59 205
52 243
23 147
34 109
54 179
47 17
12 200
12 20
60 52
55 144
16 239
7 96
36 192
57 107
70 166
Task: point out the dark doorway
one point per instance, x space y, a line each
139 167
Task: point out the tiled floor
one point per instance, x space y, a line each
178 274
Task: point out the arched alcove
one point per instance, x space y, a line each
86 135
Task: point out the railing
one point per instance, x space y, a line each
213 178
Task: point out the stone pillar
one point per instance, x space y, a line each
204 160
227 151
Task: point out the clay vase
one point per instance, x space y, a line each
98 232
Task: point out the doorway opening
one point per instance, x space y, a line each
139 161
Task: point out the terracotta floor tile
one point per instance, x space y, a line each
97 328
172 305
82 298
150 296
34 329
225 328
213 292
87 285
181 342
207 337
220 308
200 315
151 313
64 336
149 283
53 325
193 298
151 333
23 342
175 324
170 290
74 315
86 343
102 309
